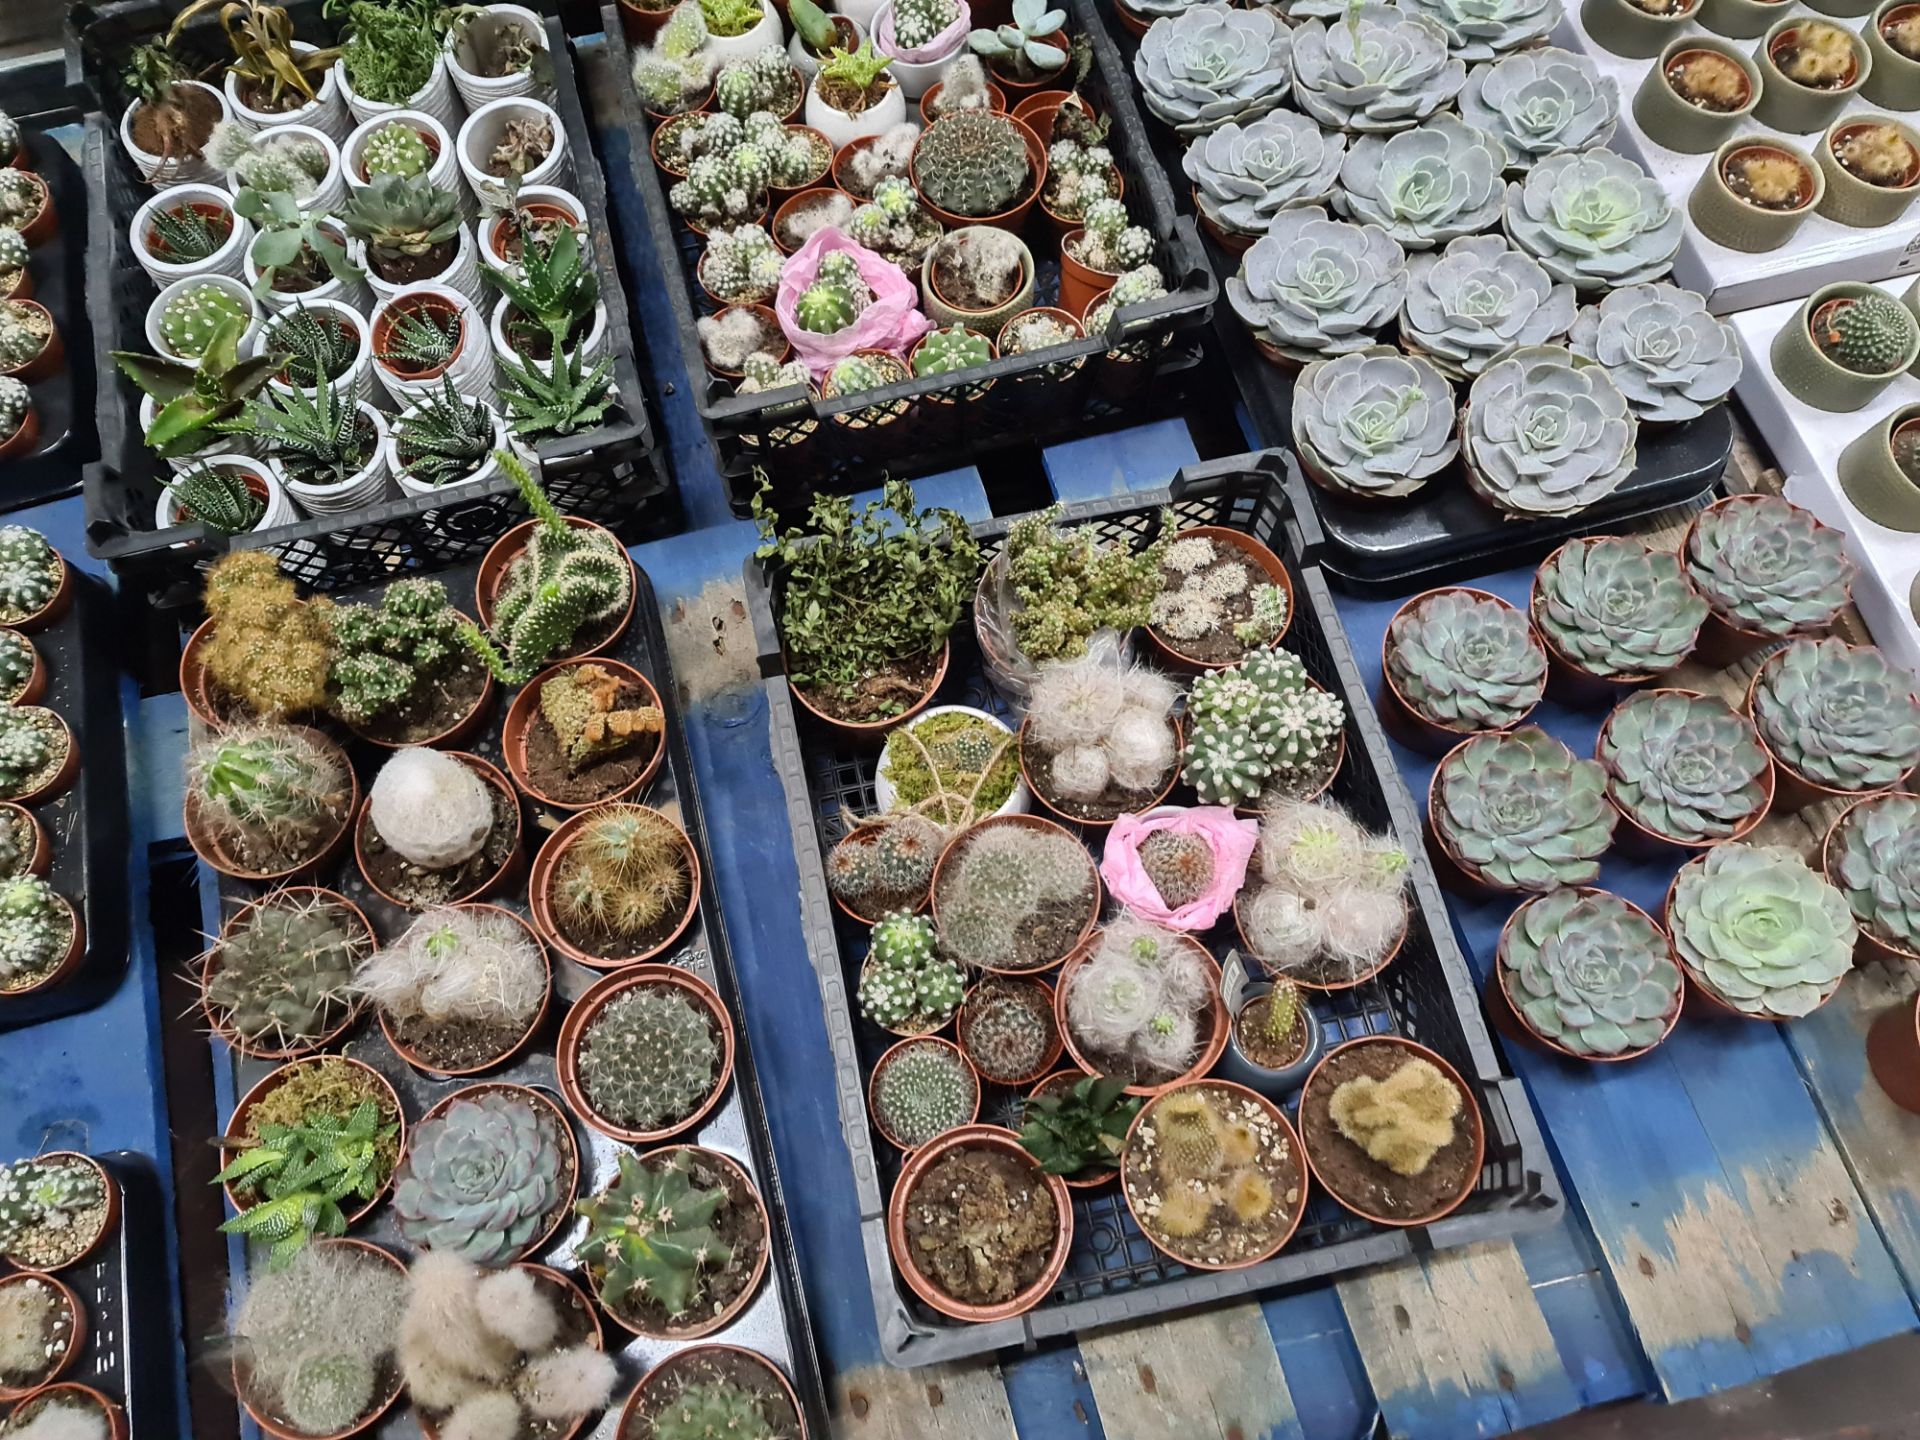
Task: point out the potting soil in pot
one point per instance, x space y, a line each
981 1225
38 1317
1213 1176
416 886
1112 802
1250 1030
443 703
455 1044
1356 1177
689 1369
1209 583
897 686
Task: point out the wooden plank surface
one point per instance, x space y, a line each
1214 1375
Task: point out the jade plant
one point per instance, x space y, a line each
1544 434
1594 219
1072 583
1838 715
1379 68
1874 859
1082 1129
1590 973
1614 607
1686 767
284 978
906 985
886 863
1768 567
30 573
1465 662
1520 811
1374 423
1254 726
1671 359
922 1091
1206 66
650 1058
484 1178
1760 931
652 1235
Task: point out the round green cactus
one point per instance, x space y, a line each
1464 661
1870 336
649 1058
1612 606
825 308
906 986
1688 767
854 374
1522 812
15 400
924 1091
1767 566
1838 715
1874 857
189 320
1760 931
1590 973
483 1179
954 348
396 149
973 163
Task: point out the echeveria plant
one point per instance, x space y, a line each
1838 714
1427 185
1594 219
1874 857
1464 661
1477 299
1312 286
1669 357
1545 435
1590 973
1244 175
1482 29
1761 931
1209 64
1522 812
1374 422
1687 767
1613 607
1541 102
1379 68
483 1179
1767 566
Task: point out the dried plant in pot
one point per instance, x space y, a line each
1758 934
400 674
1872 168
920 1089
884 865
1755 193
278 982
488 1175
1768 569
1513 812
1076 1125
1871 855
43 1329
461 990
1213 1175
979 277
1845 344
1695 95
438 827
1613 613
66 1408
1008 1031
268 801
1325 903
56 1210
1457 662
1100 739
676 1246
1838 720
645 1054
1014 894
1808 67
1587 975
1222 596
584 732
1684 770
907 987
706 1390
615 884
1142 1004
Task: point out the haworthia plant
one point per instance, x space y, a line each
1688 767
1760 930
1590 973
1838 714
1522 811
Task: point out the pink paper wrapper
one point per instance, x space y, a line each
1230 838
891 323
941 47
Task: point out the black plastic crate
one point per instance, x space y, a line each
615 473
840 445
1426 993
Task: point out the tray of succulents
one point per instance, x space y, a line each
375 248
1333 237
1831 393
898 298
85 1302
1785 131
538 1088
63 787
1016 879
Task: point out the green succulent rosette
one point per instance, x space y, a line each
1614 607
1760 931
1874 859
1590 973
1687 767
483 1179
1767 566
1837 714
1522 812
1464 661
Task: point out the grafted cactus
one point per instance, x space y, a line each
1761 931
1767 566
1464 661
1521 812
1686 767
1874 857
1590 973
1838 714
1614 607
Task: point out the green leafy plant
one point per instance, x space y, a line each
651 1233
1071 583
291 239
1081 1129
217 499
562 399
444 438
554 289
200 400
277 76
318 435
402 217
299 1173
391 47
423 338
731 17
317 343
853 78
1590 973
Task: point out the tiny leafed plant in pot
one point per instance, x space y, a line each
1325 905
885 864
614 885
1222 595
55 1210
1838 719
921 1089
1099 739
1589 975
1028 51
1872 856
1014 894
676 1246
461 990
1076 1125
978 167
1684 769
268 801
488 1176
1008 1031
1614 611
1459 662
646 1053
1768 569
1142 1004
1519 811
278 982
585 732
400 674
42 1331
438 827
1758 933
907 987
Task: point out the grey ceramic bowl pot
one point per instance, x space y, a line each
1861 203
1625 29
1821 382
1879 488
1276 1085
1680 124
1894 81
1787 104
1741 19
1726 219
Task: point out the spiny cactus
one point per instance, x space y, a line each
36 927
291 164
763 373
16 663
760 82
741 265
1871 335
47 1195
30 571
386 656
837 296
26 749
188 321
713 1410
269 787
893 222
1006 1033
270 650
973 163
1179 865
15 401
1402 1121
1110 243
624 877
24 333
955 348
994 887
885 864
582 706
673 75
855 374
1254 722
728 189
906 986
1590 973
1137 1001
21 197
649 1059
284 977
328 1391
1187 1133
651 1235
923 1091
396 149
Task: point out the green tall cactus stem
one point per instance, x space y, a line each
191 318
396 149
651 1235
268 782
1870 336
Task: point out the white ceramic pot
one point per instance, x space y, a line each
358 376
219 445
842 129
487 473
279 511
327 111
229 259
496 221
436 97
915 78
483 131
156 169
225 282
477 89
591 349
371 485
462 272
740 47
327 195
1018 802
802 57
444 172
350 292
861 12
472 367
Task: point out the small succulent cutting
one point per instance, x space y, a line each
1380 67
1312 286
482 1179
1374 422
1614 607
1522 812
1767 566
1207 65
1686 767
1662 350
1428 185
1544 435
1541 102
1245 174
1477 299
1590 973
1464 661
1594 219
1761 931
1874 857
1837 714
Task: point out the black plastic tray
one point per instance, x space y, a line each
1113 1273
841 445
86 824
615 473
776 1323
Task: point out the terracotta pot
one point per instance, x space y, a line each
663 133
863 732
1634 838
1393 953
507 868
1792 790
36 682
880 1065
25 437
76 1314
46 220
193 678
853 914
500 234
51 358
209 848
69 961
498 561
1068 817
996 100
1024 822
958 391
570 1148
521 714
1869 946
413 305
1066 1080
1211 1049
1273 571
1019 90
1046 1063
1568 681
451 738
41 859
772 321
1081 285
1454 872
1010 219
540 897
1469 1114
1037 109
641 25
573 1030
115 1417
108 1222
1499 983
778 194
1893 1053
631 1415
419 1062
990 1137
1701 999
286 898
21 287
57 782
361 1426
1135 25
56 608
1405 723
797 200
237 1127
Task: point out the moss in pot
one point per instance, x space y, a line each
437 828
1100 739
954 766
459 990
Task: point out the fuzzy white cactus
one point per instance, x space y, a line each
430 808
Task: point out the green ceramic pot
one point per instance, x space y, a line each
1680 124
1894 80
1787 104
1857 202
987 322
1913 598
1821 382
1624 28
1878 487
1727 219
1845 9
1741 19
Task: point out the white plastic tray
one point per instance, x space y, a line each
1807 443
1821 250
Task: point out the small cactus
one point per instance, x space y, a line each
271 650
623 878
26 750
973 163
1179 865
275 791
764 373
396 149
924 1091
649 1059
284 978
713 1410
1403 1121
906 986
45 1195
1188 1134
954 348
1109 242
886 864
30 568
1869 335
190 318
992 890
14 254
36 927
1006 1034
10 136
329 1390
15 401
24 333
651 1234
16 664
21 197
854 374
741 266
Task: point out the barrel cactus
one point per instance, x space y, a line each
1614 607
955 348
1595 219
1669 357
1837 714
973 163
1427 185
1522 812
1379 68
1482 29
1464 661
15 401
1545 435
483 1179
1374 422
1870 334
1209 64
396 149
1541 102
1477 299
1768 567
1874 857
1245 174
1590 973
1312 286
189 320
1760 931
1687 767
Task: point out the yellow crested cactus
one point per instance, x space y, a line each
1185 1212
1402 1121
1238 1144
1249 1194
1903 35
1188 1128
270 649
1772 181
1878 154
1821 57
1710 80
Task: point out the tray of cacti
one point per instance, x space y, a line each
1465 376
1104 867
63 787
474 1008
319 315
893 251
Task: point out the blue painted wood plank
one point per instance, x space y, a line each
1050 1397
1331 1394
1099 467
1589 1326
